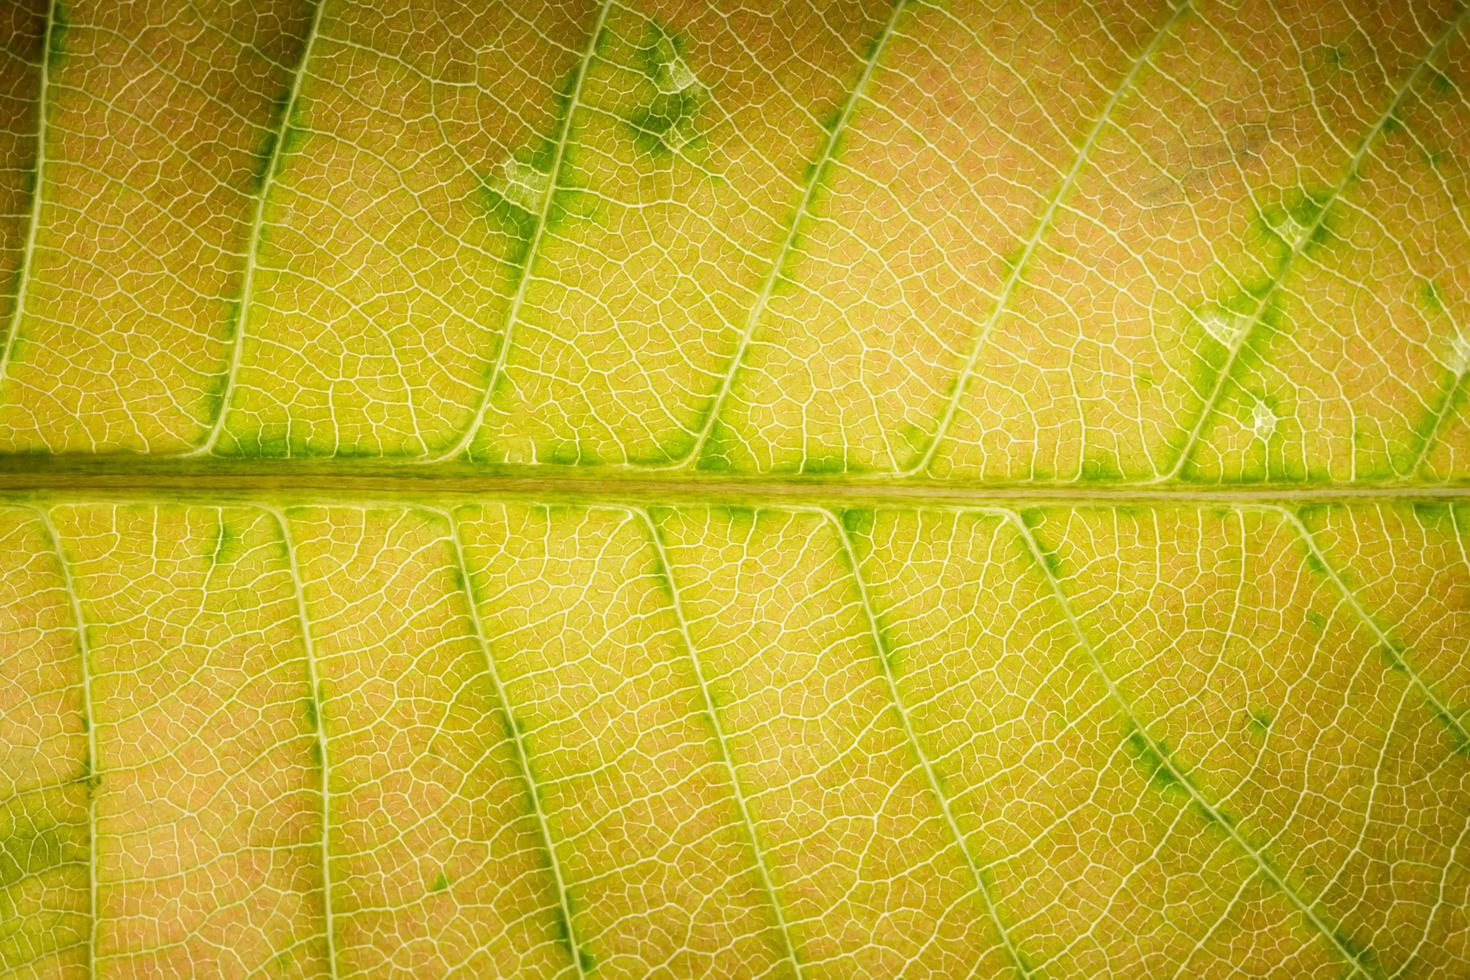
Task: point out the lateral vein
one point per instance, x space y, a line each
788 241
23 273
252 245
787 945
1299 247
981 885
1038 234
518 742
1183 779
90 719
318 710
533 247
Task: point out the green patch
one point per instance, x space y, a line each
563 930
1303 223
570 453
717 456
1440 83
662 127
1456 731
1430 298
60 28
1259 722
441 884
858 520
1100 470
738 516
1430 513
265 155
31 849
1393 656
1033 518
1152 761
1316 620
824 464
225 544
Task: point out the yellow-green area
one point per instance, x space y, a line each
1174 241
828 488
531 739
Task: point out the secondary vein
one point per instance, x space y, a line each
787 945
28 250
320 733
788 242
1181 778
1299 247
1038 234
517 741
981 885
89 719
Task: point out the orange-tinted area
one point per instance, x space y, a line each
515 738
1215 241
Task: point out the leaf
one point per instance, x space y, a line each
837 489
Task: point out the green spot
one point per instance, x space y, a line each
31 850
1430 298
717 455
1392 124
1151 761
737 516
293 140
821 464
1434 158
1315 563
858 520
1393 656
1316 620
1100 470
225 544
664 122
263 156
1439 83
441 883
1259 722
312 718
60 27
1431 513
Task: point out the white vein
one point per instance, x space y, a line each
533 247
1158 751
28 250
1310 542
321 730
908 729
522 759
788 243
252 246
94 770
1038 234
787 946
1299 245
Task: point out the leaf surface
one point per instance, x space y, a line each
785 489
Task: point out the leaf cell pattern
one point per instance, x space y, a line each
805 489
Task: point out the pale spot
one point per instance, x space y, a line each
1292 231
524 185
1263 420
1223 325
675 76
1459 358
